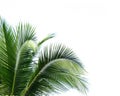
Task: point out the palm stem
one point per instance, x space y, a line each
14 78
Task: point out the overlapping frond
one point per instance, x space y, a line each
26 50
23 66
58 69
7 53
16 51
29 69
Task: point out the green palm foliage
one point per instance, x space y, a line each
28 68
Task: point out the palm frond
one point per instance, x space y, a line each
25 32
58 69
15 56
7 53
30 69
23 70
46 38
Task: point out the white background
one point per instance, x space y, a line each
90 27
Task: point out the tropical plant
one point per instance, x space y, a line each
28 68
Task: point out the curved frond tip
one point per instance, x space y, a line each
58 70
28 68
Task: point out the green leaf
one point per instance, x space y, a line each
12 43
46 38
7 53
58 68
30 69
23 70
25 32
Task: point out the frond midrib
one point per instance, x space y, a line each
15 72
24 92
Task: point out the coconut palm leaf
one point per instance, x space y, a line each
7 53
23 67
15 55
30 69
58 69
26 50
45 39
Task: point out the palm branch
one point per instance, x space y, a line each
28 68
